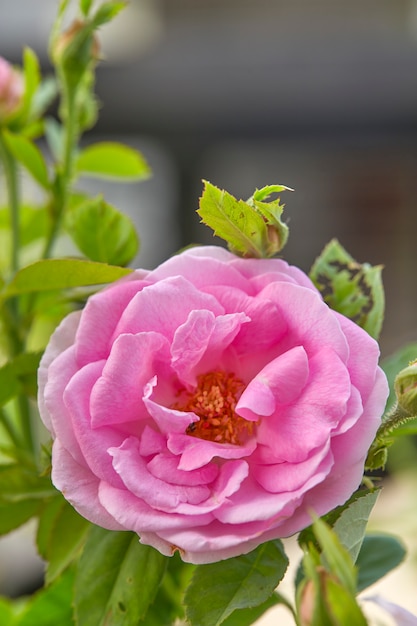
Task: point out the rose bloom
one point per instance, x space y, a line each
11 89
209 405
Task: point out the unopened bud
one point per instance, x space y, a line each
68 37
11 89
406 388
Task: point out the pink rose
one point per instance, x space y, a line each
11 89
209 405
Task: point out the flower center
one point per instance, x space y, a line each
214 401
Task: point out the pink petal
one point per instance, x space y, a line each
311 323
197 452
62 338
163 307
80 487
279 382
151 442
93 443
203 335
165 467
157 493
60 372
294 430
134 514
116 397
291 477
364 353
100 318
202 266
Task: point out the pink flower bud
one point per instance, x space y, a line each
11 89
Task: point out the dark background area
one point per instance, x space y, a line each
320 96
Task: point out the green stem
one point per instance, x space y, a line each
10 171
65 174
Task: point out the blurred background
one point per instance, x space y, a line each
319 96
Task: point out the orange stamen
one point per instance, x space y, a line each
214 401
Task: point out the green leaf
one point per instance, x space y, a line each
47 520
7 614
85 6
379 554
60 274
20 482
102 233
19 375
68 532
14 514
51 606
117 579
167 606
351 524
107 12
44 97
218 589
29 155
247 617
350 288
112 160
233 220
252 228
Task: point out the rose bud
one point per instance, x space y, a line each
11 89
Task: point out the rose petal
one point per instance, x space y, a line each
116 397
80 487
203 335
279 382
163 307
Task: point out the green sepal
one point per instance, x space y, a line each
350 288
218 589
252 228
394 363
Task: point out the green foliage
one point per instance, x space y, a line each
112 160
61 274
51 606
61 536
380 553
19 375
117 579
251 229
396 362
102 233
29 155
350 288
218 589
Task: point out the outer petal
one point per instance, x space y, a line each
62 338
80 487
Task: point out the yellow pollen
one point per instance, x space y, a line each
214 401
